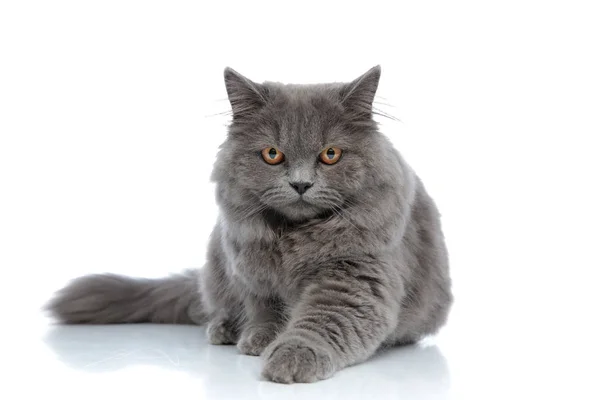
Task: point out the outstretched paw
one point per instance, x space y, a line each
295 359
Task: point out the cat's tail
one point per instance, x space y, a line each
114 299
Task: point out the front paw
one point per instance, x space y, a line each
221 331
296 359
255 339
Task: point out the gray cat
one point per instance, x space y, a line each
327 247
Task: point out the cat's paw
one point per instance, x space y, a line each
255 339
222 331
297 360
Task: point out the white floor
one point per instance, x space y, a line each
164 361
159 361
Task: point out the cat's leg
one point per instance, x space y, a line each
341 319
265 318
226 319
226 312
220 299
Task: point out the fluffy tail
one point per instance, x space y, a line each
114 299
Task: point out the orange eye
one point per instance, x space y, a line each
330 155
272 155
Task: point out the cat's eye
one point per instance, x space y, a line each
272 155
330 155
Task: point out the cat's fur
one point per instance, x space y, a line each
314 285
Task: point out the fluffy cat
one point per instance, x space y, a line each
327 246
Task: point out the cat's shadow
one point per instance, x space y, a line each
405 372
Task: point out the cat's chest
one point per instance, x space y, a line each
265 260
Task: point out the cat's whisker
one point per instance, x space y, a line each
381 113
249 212
219 114
366 206
244 211
338 212
326 201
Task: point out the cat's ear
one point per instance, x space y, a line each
359 94
245 96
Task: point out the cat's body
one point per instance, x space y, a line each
313 265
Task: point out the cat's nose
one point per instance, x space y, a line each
301 187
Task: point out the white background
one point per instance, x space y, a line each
110 119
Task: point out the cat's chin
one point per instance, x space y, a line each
300 211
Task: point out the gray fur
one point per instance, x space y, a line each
315 285
114 299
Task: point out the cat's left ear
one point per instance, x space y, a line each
246 97
359 94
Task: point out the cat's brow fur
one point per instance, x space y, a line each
312 286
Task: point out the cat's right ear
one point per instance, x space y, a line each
246 97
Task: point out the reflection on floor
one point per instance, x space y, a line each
220 372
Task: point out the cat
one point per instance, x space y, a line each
327 247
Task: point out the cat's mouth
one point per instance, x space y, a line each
304 203
303 200
300 209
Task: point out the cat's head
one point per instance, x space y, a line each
299 150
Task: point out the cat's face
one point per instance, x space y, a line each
300 150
